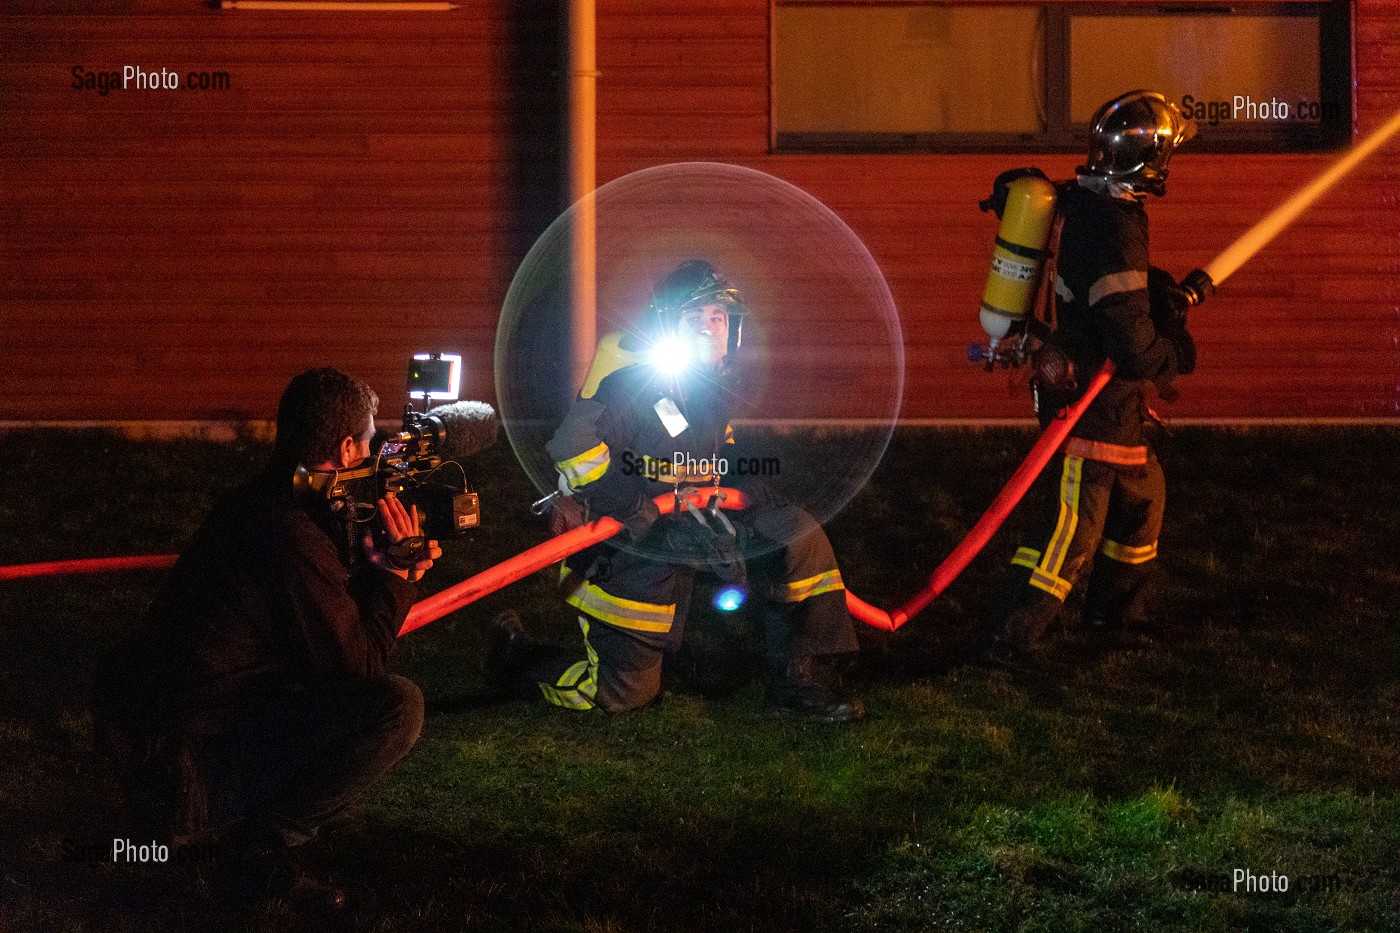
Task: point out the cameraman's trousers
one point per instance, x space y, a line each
1101 504
632 609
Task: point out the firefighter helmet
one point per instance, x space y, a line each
1131 139
691 285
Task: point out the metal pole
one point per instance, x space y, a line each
581 67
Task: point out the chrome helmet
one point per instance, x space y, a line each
694 284
1131 139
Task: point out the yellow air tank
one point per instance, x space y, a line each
1019 256
613 354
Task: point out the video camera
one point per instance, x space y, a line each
420 464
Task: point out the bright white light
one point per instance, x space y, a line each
454 387
730 598
670 355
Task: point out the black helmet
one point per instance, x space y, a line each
1131 140
695 284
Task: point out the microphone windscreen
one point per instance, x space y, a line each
470 428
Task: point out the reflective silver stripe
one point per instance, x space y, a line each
1114 283
1062 289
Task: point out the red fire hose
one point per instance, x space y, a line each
991 520
556 549
95 565
538 558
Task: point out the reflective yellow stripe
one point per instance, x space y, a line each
573 675
1106 453
1050 583
578 686
586 467
1028 557
1025 557
588 645
1127 553
1116 283
729 433
624 613
569 699
813 586
1058 549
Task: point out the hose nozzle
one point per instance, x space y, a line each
1198 286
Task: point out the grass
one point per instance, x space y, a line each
1254 727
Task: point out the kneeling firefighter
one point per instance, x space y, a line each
652 418
1104 491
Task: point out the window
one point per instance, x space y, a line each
935 77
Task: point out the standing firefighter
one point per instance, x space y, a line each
656 423
1110 305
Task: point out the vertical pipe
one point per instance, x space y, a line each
581 68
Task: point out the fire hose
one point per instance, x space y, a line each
571 542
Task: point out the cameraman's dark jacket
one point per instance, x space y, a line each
263 603
1104 313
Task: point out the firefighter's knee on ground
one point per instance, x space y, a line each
623 690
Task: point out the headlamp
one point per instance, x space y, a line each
671 355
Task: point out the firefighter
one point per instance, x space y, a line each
659 423
1104 492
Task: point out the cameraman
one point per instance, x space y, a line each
255 703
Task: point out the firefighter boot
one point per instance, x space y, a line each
796 688
509 655
1118 596
1015 628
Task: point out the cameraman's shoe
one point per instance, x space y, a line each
254 866
794 689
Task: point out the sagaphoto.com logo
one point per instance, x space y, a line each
137 78
1242 108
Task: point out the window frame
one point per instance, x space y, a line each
1337 63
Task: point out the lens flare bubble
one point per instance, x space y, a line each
821 366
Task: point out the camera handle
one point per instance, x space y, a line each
405 553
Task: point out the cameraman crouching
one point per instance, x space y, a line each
255 703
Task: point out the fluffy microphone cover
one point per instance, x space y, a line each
471 428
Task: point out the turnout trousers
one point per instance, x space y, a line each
632 611
1101 504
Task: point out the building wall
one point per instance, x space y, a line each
370 183
1309 328
365 189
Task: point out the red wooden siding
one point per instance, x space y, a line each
365 189
370 182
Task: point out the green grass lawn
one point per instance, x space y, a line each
1256 726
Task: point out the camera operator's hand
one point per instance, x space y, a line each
400 525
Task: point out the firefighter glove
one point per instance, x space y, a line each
695 538
640 521
1185 350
